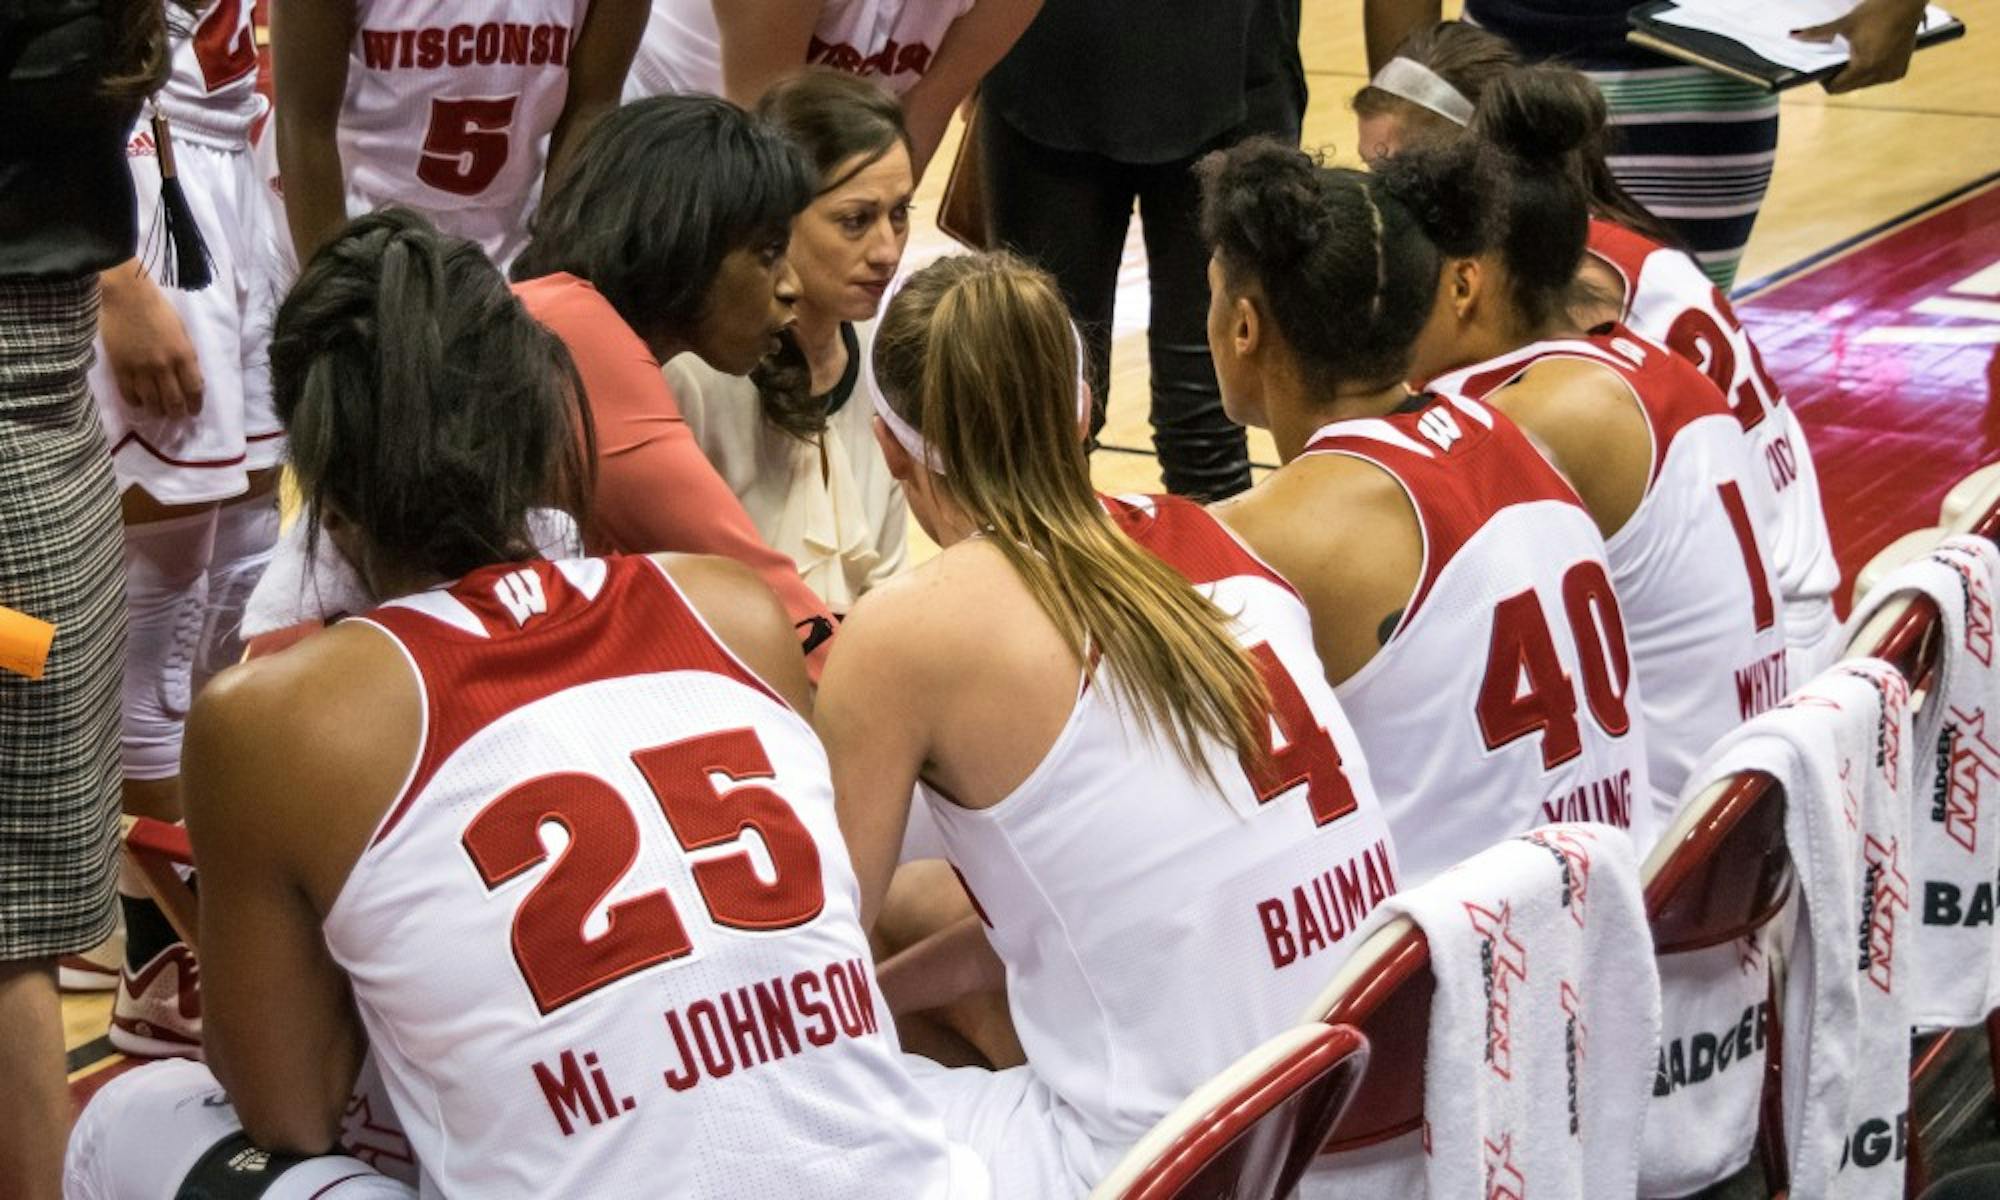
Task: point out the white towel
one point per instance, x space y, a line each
1701 1126
1543 1026
297 588
1955 805
1839 747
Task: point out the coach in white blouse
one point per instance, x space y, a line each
793 440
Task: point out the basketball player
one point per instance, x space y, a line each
1636 273
439 106
528 785
184 394
1645 437
929 53
1461 599
1114 713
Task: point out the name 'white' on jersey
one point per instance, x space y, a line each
1670 300
1690 565
449 107
1504 699
580 972
1154 926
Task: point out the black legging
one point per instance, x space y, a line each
1068 212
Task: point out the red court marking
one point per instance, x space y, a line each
1893 421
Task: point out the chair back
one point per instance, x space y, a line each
1251 1131
1383 990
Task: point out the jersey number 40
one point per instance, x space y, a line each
558 963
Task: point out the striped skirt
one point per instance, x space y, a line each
60 560
1696 148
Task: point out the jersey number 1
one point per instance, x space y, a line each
557 960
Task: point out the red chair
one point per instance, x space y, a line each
1384 990
1250 1132
1720 872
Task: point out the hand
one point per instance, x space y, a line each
1881 35
147 348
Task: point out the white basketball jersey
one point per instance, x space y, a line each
449 107
1504 699
1690 565
1154 927
891 41
606 942
213 87
1670 300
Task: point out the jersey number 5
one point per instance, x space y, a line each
467 144
557 961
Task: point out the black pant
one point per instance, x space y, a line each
1068 212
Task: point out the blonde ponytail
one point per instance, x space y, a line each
977 352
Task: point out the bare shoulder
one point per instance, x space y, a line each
1323 509
939 609
1590 424
747 617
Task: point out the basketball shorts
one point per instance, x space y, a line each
1030 1141
208 456
166 1131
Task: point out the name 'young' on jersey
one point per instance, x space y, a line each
1505 697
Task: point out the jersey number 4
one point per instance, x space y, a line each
467 144
557 961
1309 755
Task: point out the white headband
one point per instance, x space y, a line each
1408 79
906 434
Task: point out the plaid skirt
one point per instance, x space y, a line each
61 561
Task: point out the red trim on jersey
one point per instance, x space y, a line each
1186 537
1671 391
1455 489
1625 251
639 623
210 464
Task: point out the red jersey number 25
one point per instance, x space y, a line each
557 961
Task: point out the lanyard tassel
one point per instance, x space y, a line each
187 264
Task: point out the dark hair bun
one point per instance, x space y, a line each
1541 114
1271 194
1448 189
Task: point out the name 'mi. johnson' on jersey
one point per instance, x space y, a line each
606 941
1504 698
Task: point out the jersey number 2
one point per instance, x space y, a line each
223 46
557 961
467 144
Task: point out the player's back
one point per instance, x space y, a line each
890 41
606 942
1504 698
1689 564
1156 925
448 107
1670 300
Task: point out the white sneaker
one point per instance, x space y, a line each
157 1011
